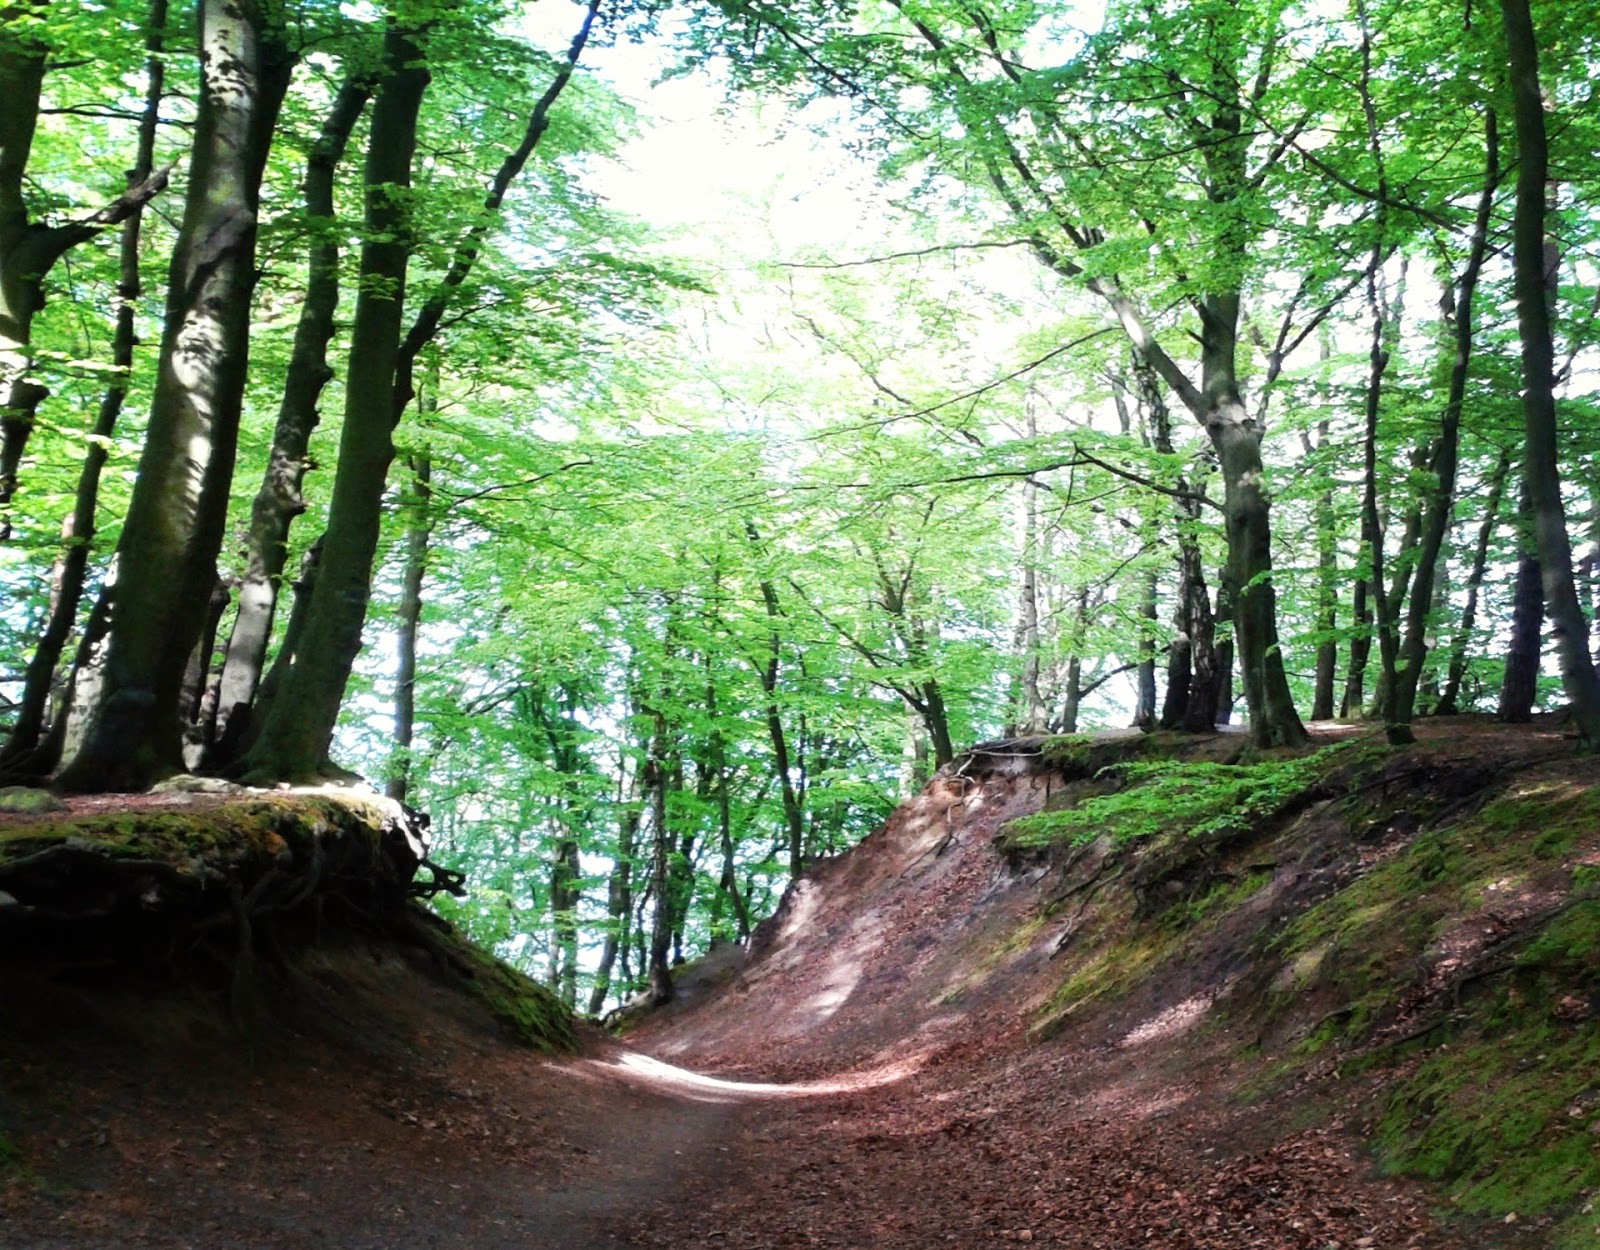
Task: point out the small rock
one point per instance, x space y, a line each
185 783
26 800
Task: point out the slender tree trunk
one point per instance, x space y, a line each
82 687
1449 697
1446 451
23 54
1327 582
1352 703
199 665
29 250
1191 701
77 531
728 883
619 909
655 787
419 533
1519 685
296 738
1225 636
1371 526
1144 702
1027 703
566 876
278 500
1072 696
1541 463
175 521
793 812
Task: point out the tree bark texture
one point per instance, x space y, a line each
295 739
1541 461
278 500
174 527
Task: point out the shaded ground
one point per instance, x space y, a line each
876 1086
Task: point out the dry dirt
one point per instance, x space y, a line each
872 1085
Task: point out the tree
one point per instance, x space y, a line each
1541 465
168 549
296 731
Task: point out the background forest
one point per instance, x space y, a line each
1051 367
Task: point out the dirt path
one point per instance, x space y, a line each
987 1144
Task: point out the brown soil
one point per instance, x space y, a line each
876 1087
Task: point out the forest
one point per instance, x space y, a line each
1181 365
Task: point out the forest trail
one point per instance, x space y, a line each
872 1075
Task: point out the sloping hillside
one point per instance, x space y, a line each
1394 950
1341 1000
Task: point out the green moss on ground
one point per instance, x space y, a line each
1508 1119
1504 1106
532 1012
1489 1074
191 839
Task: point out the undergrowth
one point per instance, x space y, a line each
1165 796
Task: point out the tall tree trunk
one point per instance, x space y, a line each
619 909
278 500
1191 701
1371 525
1072 697
1144 681
1541 463
1519 685
566 877
77 531
1446 450
1327 583
1449 697
296 738
768 669
419 532
1027 703
174 527
1352 702
661 847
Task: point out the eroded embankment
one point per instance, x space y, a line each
1405 943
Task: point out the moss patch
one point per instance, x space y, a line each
1113 959
187 839
1508 1120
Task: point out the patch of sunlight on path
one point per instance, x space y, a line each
667 1078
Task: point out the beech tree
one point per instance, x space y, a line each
166 558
